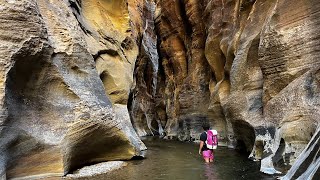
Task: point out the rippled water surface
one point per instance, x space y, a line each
179 160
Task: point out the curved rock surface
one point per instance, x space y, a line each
66 72
249 68
78 76
307 165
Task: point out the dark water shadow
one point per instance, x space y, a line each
167 159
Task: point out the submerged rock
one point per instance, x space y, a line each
100 168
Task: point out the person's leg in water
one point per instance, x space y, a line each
207 156
211 156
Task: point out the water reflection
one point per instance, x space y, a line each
210 171
181 161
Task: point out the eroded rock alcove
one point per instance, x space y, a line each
249 68
57 115
81 80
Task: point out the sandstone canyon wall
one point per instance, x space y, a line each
75 72
250 68
66 73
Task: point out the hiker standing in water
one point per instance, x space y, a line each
208 142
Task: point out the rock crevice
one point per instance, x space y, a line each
81 80
246 67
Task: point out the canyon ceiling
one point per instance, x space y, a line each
81 80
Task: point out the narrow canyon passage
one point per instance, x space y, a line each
166 159
81 81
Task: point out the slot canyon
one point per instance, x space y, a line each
81 81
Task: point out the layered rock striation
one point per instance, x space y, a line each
249 68
66 72
142 98
78 76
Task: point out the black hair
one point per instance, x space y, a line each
206 126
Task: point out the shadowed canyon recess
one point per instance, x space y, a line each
82 80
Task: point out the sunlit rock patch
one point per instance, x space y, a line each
82 79
56 113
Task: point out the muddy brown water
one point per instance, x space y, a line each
166 160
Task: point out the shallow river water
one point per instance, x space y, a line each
167 160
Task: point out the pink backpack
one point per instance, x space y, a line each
212 139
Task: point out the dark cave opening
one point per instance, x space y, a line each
241 147
245 136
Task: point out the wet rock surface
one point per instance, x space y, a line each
307 164
249 68
93 170
80 80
